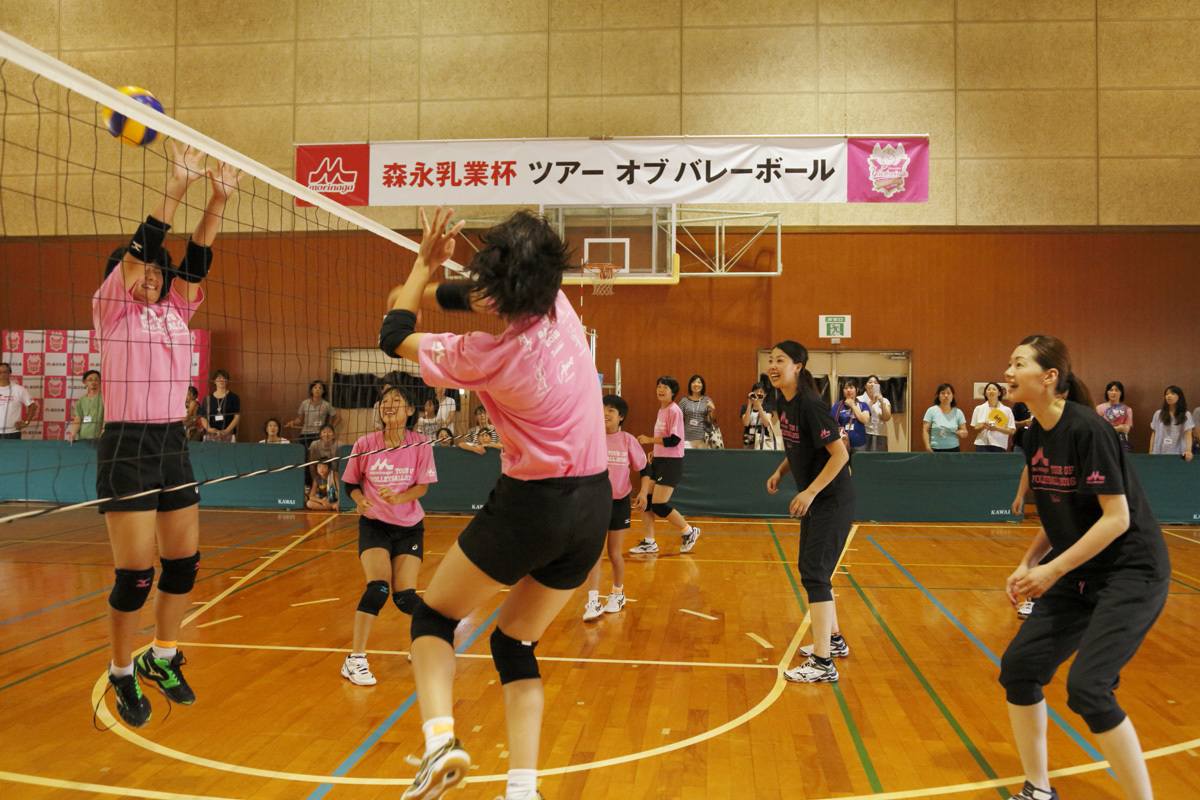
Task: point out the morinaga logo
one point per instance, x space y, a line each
332 177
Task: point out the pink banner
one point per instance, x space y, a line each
888 171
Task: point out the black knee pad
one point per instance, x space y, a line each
406 600
661 510
427 622
131 588
374 597
179 574
514 659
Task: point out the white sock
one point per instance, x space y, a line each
522 784
438 731
649 537
358 655
120 672
594 597
165 653
618 590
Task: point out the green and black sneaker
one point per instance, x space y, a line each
132 705
168 676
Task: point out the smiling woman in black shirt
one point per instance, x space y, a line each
1098 567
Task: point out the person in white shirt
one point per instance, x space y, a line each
17 408
994 422
881 412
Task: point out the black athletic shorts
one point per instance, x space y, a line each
666 471
619 521
132 457
396 539
552 529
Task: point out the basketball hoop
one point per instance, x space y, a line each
603 277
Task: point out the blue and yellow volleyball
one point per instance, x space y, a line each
130 131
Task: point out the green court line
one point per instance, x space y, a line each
1181 583
852 727
49 635
929 690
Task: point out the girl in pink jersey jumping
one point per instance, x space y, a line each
141 316
387 488
666 470
624 452
543 526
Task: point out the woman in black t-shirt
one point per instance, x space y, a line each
816 457
1098 567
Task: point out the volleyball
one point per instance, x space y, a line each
129 131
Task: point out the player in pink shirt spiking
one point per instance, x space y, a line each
141 316
387 488
543 526
624 453
666 470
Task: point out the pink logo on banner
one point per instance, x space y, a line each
13 342
53 431
56 387
56 341
79 363
888 171
33 363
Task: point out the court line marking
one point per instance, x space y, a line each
1181 536
698 614
314 602
761 641
219 621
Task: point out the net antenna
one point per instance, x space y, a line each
603 277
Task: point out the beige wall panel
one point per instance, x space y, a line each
34 22
233 75
1032 191
640 61
152 68
89 147
750 114
1154 122
122 203
389 122
904 112
394 67
832 59
394 217
576 116
575 59
620 14
1149 9
840 12
29 211
832 113
1148 191
230 21
332 122
31 145
356 19
479 67
938 211
331 72
92 24
1136 54
750 59
483 119
570 15
649 115
395 17
991 10
721 13
1021 124
899 57
451 17
264 134
1028 55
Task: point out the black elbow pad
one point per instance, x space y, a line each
397 326
455 295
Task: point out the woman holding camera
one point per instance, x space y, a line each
758 421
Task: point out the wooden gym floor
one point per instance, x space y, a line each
679 696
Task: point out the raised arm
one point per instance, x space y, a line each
397 334
194 267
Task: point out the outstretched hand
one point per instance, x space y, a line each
224 179
437 243
187 165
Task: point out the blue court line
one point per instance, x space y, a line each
109 588
378 733
1054 715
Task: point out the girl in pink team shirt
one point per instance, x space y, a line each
141 314
666 470
387 488
543 526
624 452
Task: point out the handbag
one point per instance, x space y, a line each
713 437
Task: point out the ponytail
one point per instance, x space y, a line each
806 381
1076 390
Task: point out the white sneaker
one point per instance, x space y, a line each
356 671
592 611
812 672
614 602
837 648
689 540
1025 609
645 546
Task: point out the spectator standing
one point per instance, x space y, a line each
221 411
483 435
17 408
314 412
852 415
1119 415
758 421
698 414
994 421
945 425
1171 426
880 409
430 419
191 417
87 420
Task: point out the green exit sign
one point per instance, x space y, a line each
833 326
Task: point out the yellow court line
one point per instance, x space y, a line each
697 613
218 621
1191 539
761 641
314 602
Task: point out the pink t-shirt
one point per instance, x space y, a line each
669 421
145 352
623 451
539 386
398 470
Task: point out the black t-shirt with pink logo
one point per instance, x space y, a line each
807 427
1069 466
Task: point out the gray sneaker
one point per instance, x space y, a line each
645 546
812 672
689 540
